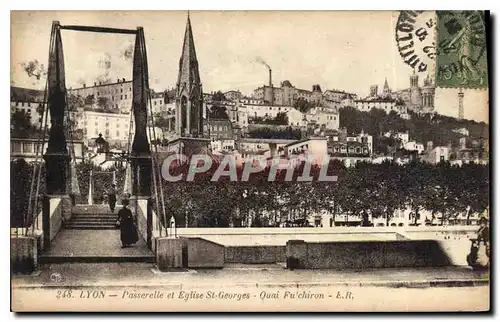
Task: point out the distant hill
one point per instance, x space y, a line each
421 128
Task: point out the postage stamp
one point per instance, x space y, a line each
461 56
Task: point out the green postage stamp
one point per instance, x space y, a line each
461 52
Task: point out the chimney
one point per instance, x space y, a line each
117 80
429 145
270 78
95 84
123 80
100 83
84 85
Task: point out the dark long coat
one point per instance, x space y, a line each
128 231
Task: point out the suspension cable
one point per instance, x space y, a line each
157 166
158 169
155 185
130 130
41 137
36 213
152 135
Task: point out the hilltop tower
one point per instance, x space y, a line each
428 92
460 104
415 94
188 91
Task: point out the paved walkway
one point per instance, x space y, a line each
81 244
145 274
136 287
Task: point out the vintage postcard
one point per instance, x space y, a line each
258 161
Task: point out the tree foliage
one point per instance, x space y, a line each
20 125
218 96
364 191
289 133
218 111
303 105
422 128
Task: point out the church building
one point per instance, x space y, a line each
189 129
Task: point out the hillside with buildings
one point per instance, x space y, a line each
387 145
438 129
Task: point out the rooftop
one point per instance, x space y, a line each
20 94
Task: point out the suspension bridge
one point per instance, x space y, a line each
58 230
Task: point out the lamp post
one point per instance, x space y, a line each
91 199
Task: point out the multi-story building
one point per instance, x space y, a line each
435 155
385 104
265 111
232 95
315 148
341 136
414 146
158 102
287 95
296 118
350 149
32 109
114 127
266 147
471 150
111 96
324 118
220 128
349 152
29 101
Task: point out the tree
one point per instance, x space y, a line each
273 133
280 119
75 101
417 182
40 110
472 189
102 102
34 69
89 100
302 105
218 111
20 124
218 96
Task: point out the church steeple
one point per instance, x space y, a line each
386 91
189 93
188 63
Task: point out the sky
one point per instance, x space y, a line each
337 50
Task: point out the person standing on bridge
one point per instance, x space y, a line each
112 197
128 231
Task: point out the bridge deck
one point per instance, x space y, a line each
72 245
